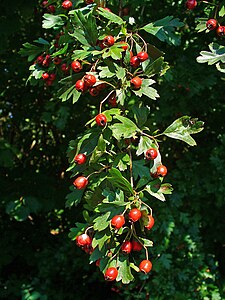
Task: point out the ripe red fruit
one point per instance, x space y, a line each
151 154
126 247
51 9
112 100
52 76
125 46
101 87
145 266
134 214
89 80
136 246
80 158
94 91
111 274
118 221
76 66
101 120
46 61
49 82
107 9
89 1
67 4
40 59
161 170
136 83
80 182
83 240
80 86
220 31
211 24
134 61
44 3
97 263
190 4
151 222
45 76
65 68
57 60
125 11
142 56
108 41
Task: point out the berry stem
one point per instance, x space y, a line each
141 38
131 168
146 250
86 230
101 103
152 137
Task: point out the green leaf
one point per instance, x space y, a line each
74 198
124 271
106 72
110 16
125 129
158 66
42 41
166 188
147 90
122 161
114 51
102 222
100 238
146 242
182 129
79 35
61 51
140 170
120 72
70 92
81 54
117 180
88 141
201 26
30 50
99 150
144 144
52 21
78 230
153 188
217 54
140 114
222 11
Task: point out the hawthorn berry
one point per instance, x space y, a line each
136 246
94 91
89 1
118 221
45 76
220 31
40 59
134 214
161 170
101 120
211 24
125 11
67 4
52 76
151 154
112 100
107 9
190 4
145 266
142 56
65 68
125 46
151 222
51 9
97 263
57 60
126 247
108 41
134 61
101 86
83 240
80 85
111 274
76 66
80 182
44 3
136 83
89 80
80 158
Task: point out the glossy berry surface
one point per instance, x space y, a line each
80 158
220 31
118 221
57 60
136 246
151 222
76 66
134 61
65 68
67 4
89 80
111 274
211 24
161 170
101 120
142 56
190 4
134 214
112 100
83 240
126 247
94 92
80 182
108 41
80 86
125 46
151 154
52 76
136 83
145 266
45 76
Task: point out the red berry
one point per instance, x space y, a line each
51 9
94 91
101 87
145 266
151 154
211 24
89 80
142 56
89 1
190 4
111 274
80 158
125 11
220 31
118 221
67 4
112 100
108 41
125 46
49 82
151 222
57 60
161 170
65 68
107 9
52 77
40 59
83 240
76 66
97 263
80 182
101 120
80 85
134 214
44 3
45 76
136 246
134 61
126 247
136 83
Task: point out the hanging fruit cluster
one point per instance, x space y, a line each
117 170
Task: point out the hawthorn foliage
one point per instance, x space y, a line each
100 55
